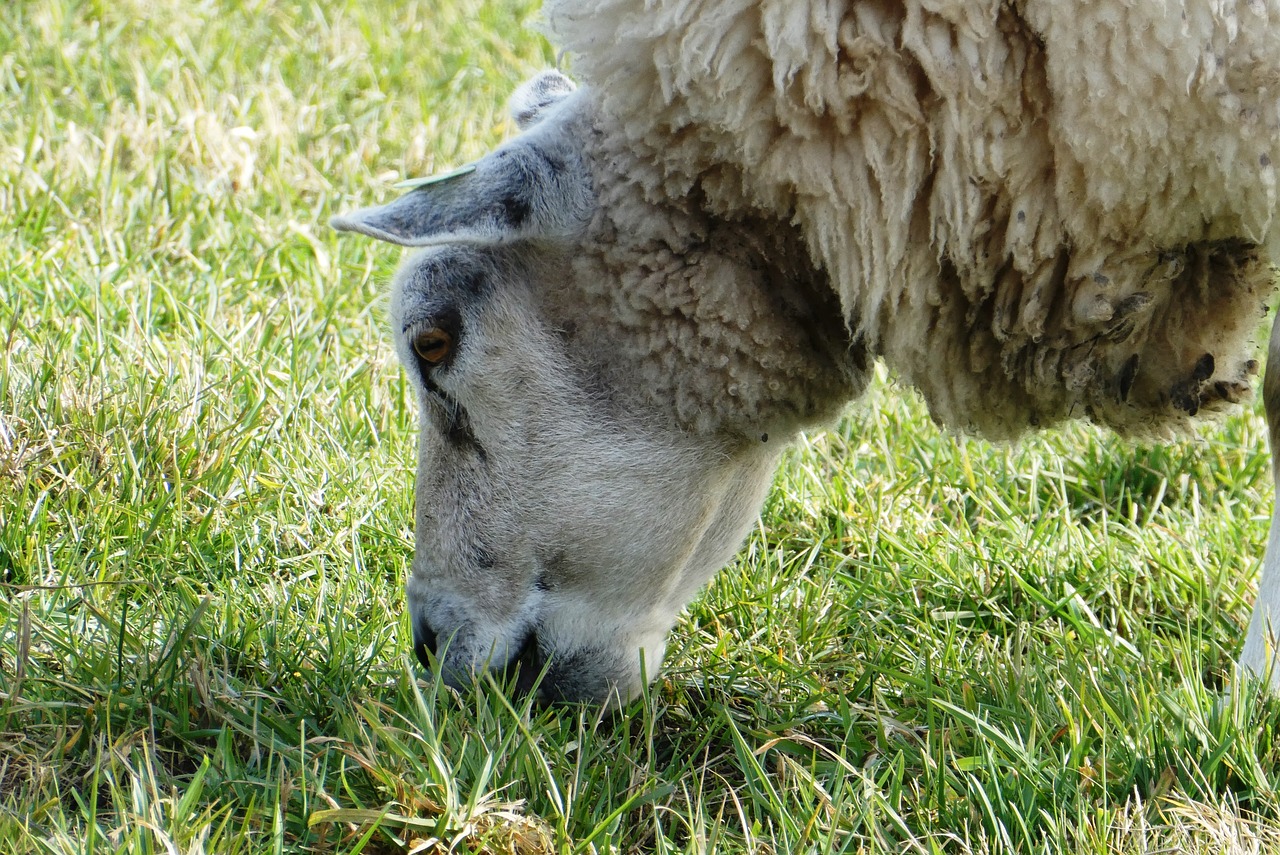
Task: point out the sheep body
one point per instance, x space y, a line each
723 326
1032 211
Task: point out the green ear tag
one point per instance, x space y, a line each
415 183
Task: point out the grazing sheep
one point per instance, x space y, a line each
1031 212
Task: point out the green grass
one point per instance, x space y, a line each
929 644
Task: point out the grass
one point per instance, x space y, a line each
929 645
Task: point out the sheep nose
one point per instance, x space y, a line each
424 642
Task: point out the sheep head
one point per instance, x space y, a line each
595 441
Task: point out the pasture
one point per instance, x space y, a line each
929 644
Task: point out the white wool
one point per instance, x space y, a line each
1033 212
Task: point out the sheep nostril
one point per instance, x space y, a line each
424 642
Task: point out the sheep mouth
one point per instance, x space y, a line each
524 670
521 672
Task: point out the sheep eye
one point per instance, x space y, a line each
432 345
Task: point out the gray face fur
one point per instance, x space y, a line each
606 380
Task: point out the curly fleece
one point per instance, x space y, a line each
1033 211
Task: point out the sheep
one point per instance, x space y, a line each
1031 212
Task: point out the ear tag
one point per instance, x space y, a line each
415 183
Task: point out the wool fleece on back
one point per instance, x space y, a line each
1033 211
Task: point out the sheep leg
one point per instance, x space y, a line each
1262 643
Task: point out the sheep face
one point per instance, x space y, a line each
595 442
552 531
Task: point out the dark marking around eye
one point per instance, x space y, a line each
440 282
456 423
445 323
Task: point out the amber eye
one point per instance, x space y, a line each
432 345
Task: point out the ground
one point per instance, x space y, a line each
206 446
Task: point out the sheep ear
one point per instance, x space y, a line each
535 187
533 98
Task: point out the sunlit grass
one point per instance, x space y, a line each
928 645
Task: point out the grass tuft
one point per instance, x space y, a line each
929 645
